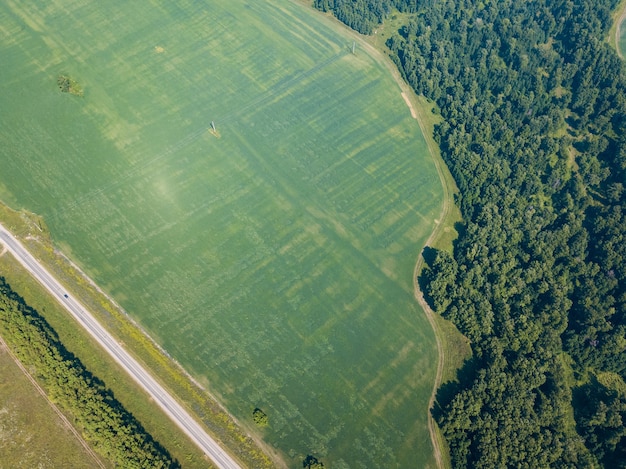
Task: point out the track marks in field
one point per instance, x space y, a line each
280 88
137 170
142 169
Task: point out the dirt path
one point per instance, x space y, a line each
419 295
417 113
406 92
63 418
618 32
408 103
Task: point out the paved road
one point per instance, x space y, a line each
169 405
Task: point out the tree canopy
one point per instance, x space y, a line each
111 430
364 15
534 108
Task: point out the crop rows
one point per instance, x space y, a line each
274 259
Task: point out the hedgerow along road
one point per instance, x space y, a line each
165 400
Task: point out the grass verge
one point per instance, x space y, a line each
221 425
452 346
266 261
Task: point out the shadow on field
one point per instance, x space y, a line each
447 391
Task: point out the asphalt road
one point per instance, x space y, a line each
169 405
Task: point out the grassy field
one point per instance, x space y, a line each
31 433
622 38
273 258
197 401
618 41
123 387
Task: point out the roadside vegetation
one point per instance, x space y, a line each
274 263
534 113
32 433
109 428
34 235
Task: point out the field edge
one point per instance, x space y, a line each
47 415
453 348
239 440
613 37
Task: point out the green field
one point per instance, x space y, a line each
622 38
272 258
31 433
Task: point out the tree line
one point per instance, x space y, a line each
364 15
534 133
109 428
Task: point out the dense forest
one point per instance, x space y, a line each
534 133
110 429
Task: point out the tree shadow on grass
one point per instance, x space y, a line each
83 394
429 254
447 391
